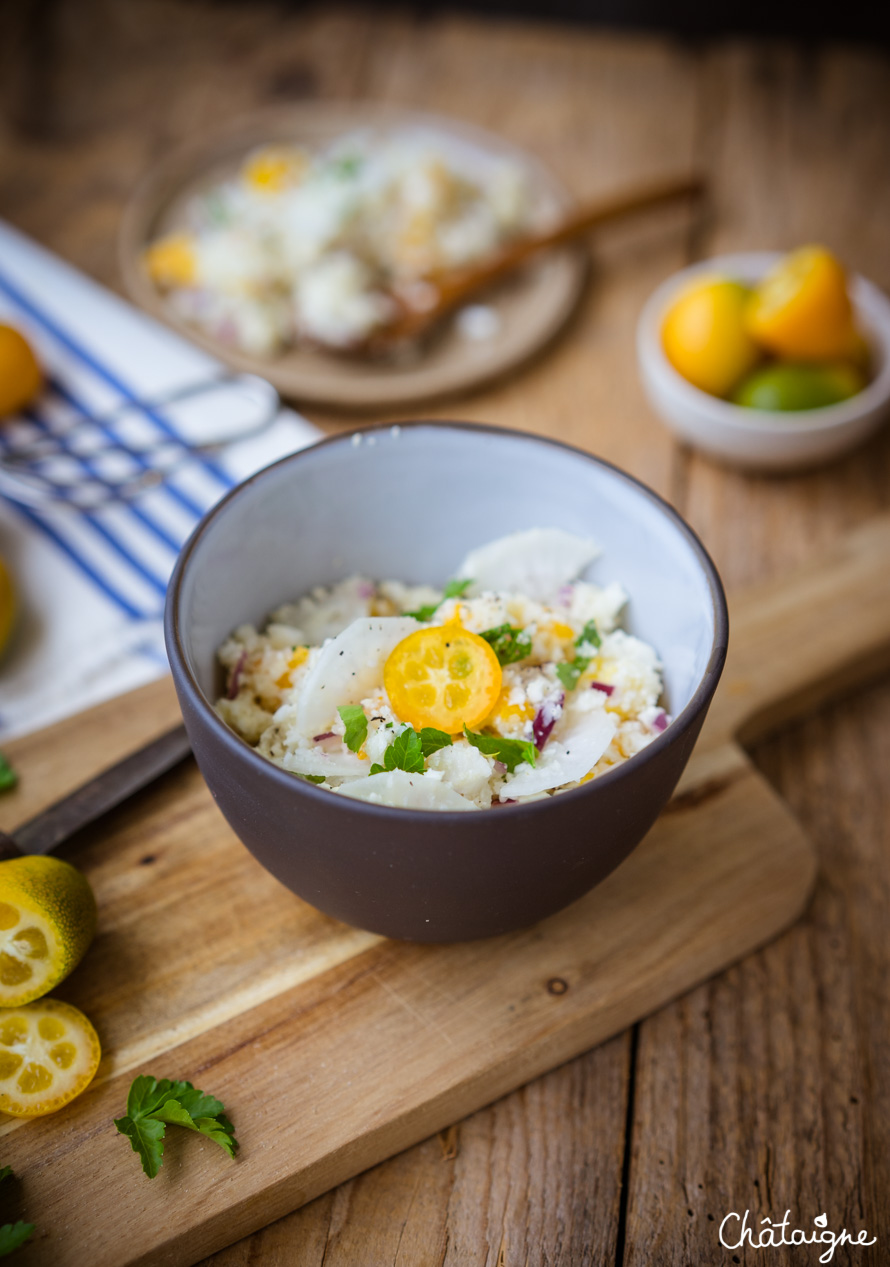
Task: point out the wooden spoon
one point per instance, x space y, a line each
423 304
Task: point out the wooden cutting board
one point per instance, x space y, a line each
333 1048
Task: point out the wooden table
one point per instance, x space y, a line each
769 1087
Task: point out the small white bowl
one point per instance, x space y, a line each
765 440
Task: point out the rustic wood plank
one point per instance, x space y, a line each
750 1092
794 647
128 82
814 131
510 1178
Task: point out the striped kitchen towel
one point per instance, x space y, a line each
91 583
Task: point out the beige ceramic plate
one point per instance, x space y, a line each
532 306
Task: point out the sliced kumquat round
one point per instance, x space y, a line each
49 1053
172 262
272 170
445 677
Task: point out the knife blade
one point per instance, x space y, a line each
54 825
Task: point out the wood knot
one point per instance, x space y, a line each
449 1142
556 985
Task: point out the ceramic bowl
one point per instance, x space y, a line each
763 440
408 502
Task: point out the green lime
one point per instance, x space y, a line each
795 387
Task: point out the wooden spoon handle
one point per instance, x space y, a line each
455 287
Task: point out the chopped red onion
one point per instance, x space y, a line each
505 801
564 595
227 331
365 590
329 734
660 720
235 680
602 686
546 718
499 767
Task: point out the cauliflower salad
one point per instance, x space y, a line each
301 246
512 684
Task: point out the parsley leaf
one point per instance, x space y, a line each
8 776
510 751
427 612
589 634
431 740
569 671
311 778
409 750
405 752
12 1235
454 589
153 1105
508 642
356 723
347 166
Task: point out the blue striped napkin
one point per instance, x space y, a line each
92 583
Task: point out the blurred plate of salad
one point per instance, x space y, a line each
284 239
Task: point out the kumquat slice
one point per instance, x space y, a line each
445 677
49 1053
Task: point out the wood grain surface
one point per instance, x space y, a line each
394 1041
768 1087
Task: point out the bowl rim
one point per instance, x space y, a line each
761 422
237 746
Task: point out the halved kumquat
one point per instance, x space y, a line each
801 311
47 921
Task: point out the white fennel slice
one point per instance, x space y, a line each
535 563
315 761
347 669
565 759
405 791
